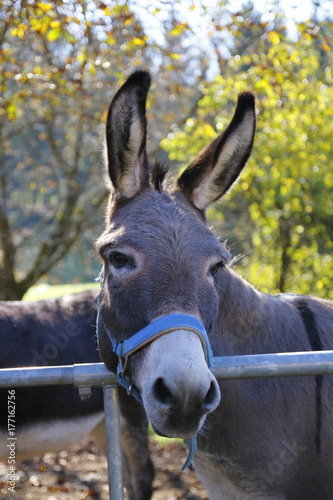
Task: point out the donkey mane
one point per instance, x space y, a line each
157 174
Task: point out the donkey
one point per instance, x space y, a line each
257 439
58 332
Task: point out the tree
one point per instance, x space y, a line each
285 192
62 61
61 64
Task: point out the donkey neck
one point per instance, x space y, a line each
247 317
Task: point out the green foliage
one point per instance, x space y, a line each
56 57
286 189
61 63
45 291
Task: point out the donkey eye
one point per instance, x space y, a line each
119 260
216 267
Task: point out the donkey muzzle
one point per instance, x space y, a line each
176 385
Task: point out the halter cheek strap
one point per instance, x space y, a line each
154 330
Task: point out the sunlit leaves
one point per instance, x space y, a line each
19 31
45 6
61 62
138 41
286 189
11 110
178 29
54 33
274 37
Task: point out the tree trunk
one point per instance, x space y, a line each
10 290
285 242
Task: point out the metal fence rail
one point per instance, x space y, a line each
85 376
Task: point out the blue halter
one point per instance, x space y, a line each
156 329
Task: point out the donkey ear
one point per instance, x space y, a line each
218 166
126 132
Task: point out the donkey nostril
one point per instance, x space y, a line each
212 397
161 392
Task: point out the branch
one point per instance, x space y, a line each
4 32
53 144
8 247
47 260
50 255
60 238
89 216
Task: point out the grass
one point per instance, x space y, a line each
45 291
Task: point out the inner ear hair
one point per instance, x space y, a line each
126 131
219 165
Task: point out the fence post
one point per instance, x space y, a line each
113 440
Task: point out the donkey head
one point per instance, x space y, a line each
160 258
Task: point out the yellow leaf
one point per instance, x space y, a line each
110 39
55 24
175 56
179 29
138 41
274 37
19 32
11 110
53 34
92 70
45 6
35 24
81 57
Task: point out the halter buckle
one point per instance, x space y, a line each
122 365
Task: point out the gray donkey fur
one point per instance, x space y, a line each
266 438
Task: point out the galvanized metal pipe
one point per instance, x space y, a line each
224 367
85 374
48 375
113 440
273 365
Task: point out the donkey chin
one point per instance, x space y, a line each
177 388
176 423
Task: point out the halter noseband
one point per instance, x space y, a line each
154 330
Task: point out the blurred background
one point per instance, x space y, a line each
61 63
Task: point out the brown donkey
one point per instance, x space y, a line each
266 438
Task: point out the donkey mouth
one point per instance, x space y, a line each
175 435
184 430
